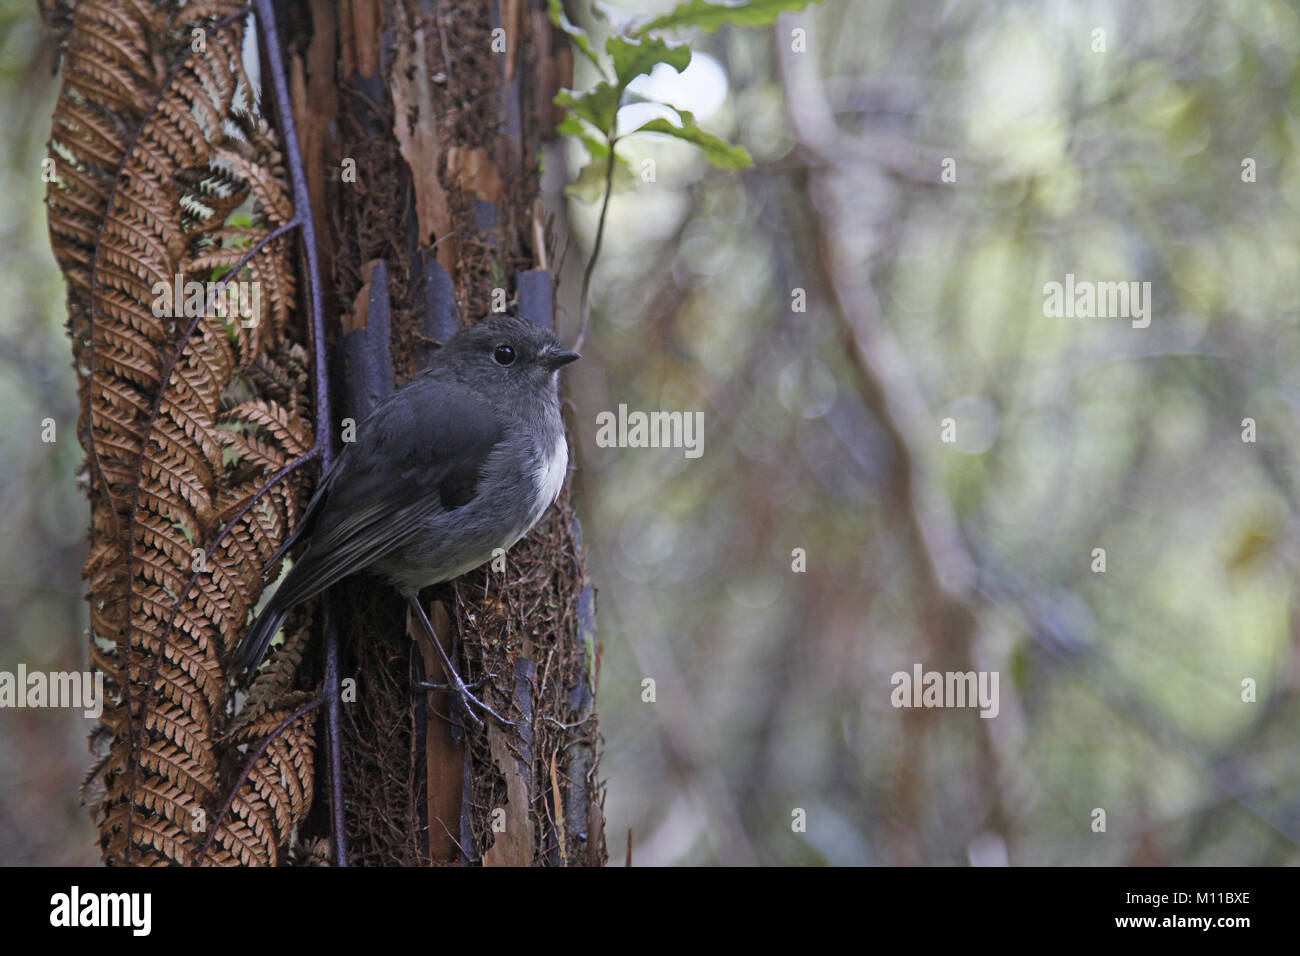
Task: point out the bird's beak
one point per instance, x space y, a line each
559 358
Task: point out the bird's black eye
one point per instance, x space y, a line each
504 355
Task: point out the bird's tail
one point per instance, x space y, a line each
252 649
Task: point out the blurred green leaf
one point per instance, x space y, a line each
590 184
720 152
572 126
711 16
598 105
579 36
632 59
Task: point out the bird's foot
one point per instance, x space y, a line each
429 685
467 700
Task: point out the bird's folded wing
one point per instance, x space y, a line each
420 453
306 522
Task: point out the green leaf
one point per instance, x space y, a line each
590 184
632 59
710 16
572 126
720 152
579 36
598 106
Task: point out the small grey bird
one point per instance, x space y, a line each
464 459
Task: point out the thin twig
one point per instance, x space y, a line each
584 307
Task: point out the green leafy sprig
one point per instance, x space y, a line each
592 115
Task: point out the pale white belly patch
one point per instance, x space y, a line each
549 478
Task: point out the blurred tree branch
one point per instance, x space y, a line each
949 575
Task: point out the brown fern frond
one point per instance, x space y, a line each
166 176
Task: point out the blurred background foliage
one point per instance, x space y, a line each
1120 690
924 301
43 516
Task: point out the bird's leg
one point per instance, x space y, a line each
454 680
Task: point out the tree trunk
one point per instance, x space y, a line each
418 126
421 124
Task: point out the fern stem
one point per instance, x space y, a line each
257 247
270 738
303 214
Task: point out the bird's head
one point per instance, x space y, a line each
505 349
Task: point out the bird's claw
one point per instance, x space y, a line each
467 700
429 685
